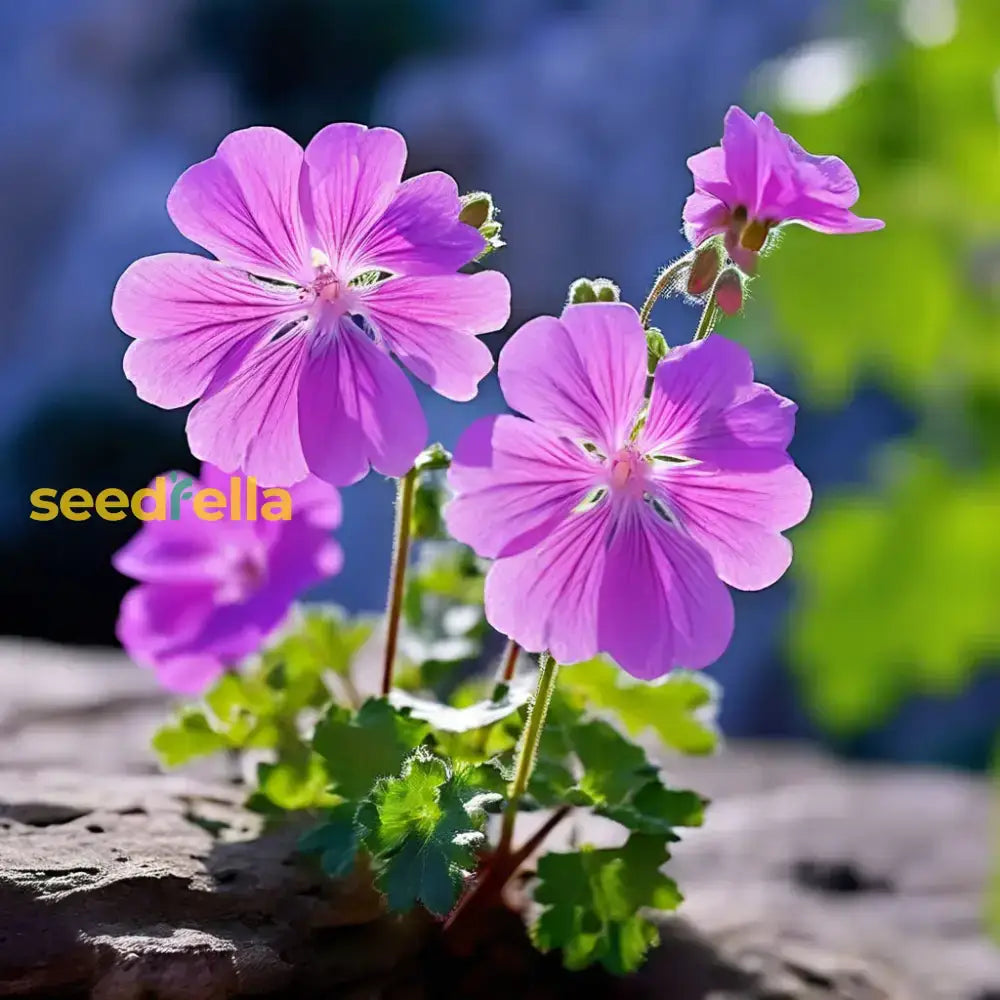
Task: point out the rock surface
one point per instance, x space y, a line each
810 880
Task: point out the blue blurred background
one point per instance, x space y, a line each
578 116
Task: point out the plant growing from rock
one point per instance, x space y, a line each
599 531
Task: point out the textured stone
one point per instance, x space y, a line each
811 880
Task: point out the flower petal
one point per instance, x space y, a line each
420 232
169 551
709 171
741 157
431 324
250 423
826 219
660 604
583 375
192 317
514 482
690 386
546 597
704 216
154 618
737 516
825 178
243 204
357 408
351 175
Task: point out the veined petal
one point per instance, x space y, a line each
741 156
546 597
431 324
690 386
582 375
660 603
242 204
420 232
351 175
514 482
356 408
737 516
251 422
192 317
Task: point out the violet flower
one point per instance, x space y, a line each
760 178
327 264
616 528
210 592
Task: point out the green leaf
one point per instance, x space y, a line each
504 700
336 841
293 783
589 763
590 901
423 829
680 709
928 541
323 638
189 736
360 749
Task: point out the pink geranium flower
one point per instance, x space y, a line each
210 592
327 264
614 527
760 178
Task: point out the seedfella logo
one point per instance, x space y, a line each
245 502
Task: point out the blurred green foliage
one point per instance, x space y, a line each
897 585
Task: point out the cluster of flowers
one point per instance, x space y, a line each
616 517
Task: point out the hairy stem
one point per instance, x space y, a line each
707 321
500 870
397 578
528 750
663 282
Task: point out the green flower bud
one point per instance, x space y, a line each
656 348
593 290
479 211
434 456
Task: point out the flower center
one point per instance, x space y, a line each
751 233
627 471
245 572
330 288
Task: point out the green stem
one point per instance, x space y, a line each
397 578
708 315
528 750
663 282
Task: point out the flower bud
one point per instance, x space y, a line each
434 456
729 291
656 348
593 290
704 268
479 211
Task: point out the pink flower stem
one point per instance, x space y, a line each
528 750
666 278
510 656
397 578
